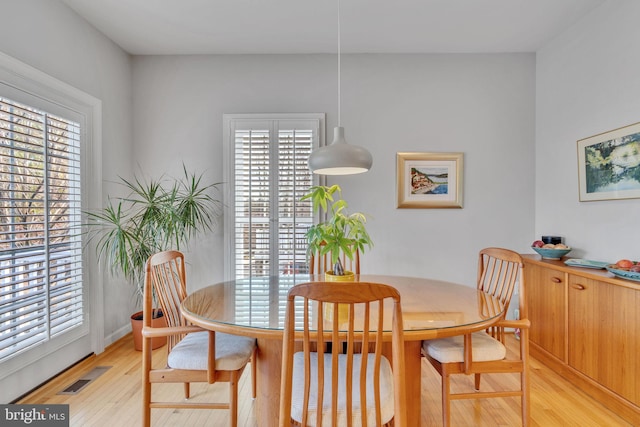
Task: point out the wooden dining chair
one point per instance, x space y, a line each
319 264
484 352
342 389
194 354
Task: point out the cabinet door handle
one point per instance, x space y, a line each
578 287
556 280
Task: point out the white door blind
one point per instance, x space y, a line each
40 217
252 203
270 176
294 217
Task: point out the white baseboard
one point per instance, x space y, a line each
116 335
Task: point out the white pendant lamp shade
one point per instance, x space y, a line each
340 158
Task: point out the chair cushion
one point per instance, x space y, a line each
386 390
450 350
232 352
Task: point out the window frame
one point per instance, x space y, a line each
24 84
228 171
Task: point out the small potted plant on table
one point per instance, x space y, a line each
340 233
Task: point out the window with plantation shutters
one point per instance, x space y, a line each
51 294
41 294
267 174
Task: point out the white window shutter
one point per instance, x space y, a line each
40 216
267 174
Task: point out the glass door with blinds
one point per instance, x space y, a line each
267 174
41 287
51 312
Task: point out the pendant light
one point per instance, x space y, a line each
340 158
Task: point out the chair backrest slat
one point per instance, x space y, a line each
335 343
363 367
307 362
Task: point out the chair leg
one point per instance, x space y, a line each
146 405
477 381
233 399
446 401
187 390
146 384
525 399
524 376
254 387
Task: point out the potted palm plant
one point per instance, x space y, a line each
342 232
156 215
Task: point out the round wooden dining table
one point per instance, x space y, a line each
255 307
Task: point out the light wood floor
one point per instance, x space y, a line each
114 398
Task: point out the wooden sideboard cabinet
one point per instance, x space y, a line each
585 325
546 290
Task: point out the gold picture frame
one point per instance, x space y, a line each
429 180
609 165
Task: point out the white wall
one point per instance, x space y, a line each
50 37
481 105
587 83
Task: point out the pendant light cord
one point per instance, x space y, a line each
339 99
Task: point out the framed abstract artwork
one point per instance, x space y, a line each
609 165
429 180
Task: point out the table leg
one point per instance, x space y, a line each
413 380
269 368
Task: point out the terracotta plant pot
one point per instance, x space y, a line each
136 326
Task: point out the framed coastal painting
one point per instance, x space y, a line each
429 180
609 165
